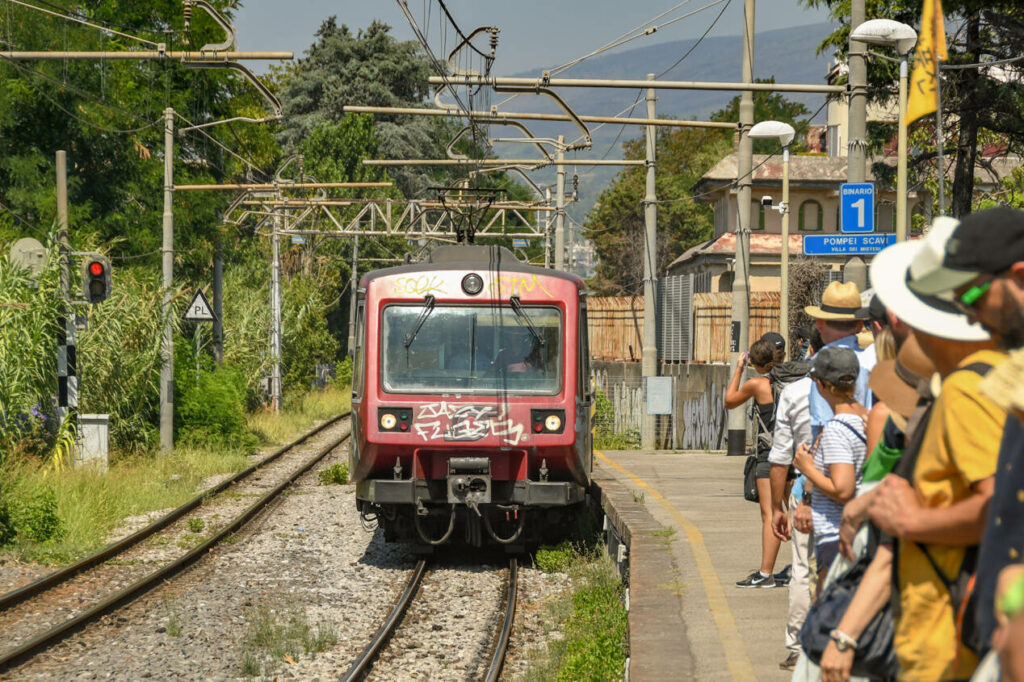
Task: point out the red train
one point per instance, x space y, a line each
471 400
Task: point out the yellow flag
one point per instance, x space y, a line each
931 47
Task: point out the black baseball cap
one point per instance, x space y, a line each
874 311
984 242
774 338
837 365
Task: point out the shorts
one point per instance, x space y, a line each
825 553
764 467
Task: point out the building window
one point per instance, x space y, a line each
810 217
757 215
885 216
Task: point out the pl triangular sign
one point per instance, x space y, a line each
199 309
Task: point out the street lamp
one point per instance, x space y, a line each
903 38
784 133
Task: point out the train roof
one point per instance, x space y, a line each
471 257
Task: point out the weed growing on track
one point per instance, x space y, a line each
587 627
173 617
196 525
336 474
277 631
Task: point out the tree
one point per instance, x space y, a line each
368 68
977 104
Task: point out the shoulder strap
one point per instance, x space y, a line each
979 368
935 565
854 431
908 460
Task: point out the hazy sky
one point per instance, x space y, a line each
534 33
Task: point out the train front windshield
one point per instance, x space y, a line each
471 349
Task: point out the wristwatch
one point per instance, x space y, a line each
843 641
806 499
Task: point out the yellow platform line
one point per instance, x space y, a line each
736 657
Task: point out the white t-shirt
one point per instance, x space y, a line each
839 444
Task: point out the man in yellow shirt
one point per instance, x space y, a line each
938 505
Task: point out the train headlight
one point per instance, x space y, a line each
547 421
394 418
472 284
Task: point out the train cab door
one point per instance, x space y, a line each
584 392
358 353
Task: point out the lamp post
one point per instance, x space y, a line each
903 38
784 133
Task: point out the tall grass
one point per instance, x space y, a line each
299 413
30 316
89 505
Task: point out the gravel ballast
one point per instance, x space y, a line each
306 561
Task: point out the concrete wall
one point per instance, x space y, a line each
700 416
699 406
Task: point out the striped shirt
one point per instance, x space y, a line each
838 445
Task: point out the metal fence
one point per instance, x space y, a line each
675 318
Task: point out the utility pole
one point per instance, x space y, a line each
737 435
275 312
167 347
353 297
650 246
560 207
218 301
856 161
547 228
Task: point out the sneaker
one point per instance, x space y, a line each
782 578
755 579
790 661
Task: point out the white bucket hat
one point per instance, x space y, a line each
895 266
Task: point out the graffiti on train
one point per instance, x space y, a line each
418 286
460 422
516 285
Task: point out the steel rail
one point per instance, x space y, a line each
49 580
498 659
359 666
23 652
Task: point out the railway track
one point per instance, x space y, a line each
361 666
49 595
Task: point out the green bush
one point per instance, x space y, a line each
336 474
554 559
210 407
31 515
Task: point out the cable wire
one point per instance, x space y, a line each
67 17
63 85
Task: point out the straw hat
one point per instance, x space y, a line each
841 301
895 382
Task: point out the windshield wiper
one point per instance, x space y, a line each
517 306
424 314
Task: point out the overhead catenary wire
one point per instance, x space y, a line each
679 61
84 95
68 17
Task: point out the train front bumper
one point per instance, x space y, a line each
525 493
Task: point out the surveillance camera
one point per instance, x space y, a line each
766 201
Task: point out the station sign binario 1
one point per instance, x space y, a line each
846 244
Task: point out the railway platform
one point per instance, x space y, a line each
691 536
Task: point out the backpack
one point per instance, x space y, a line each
781 375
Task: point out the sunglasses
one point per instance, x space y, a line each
967 301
